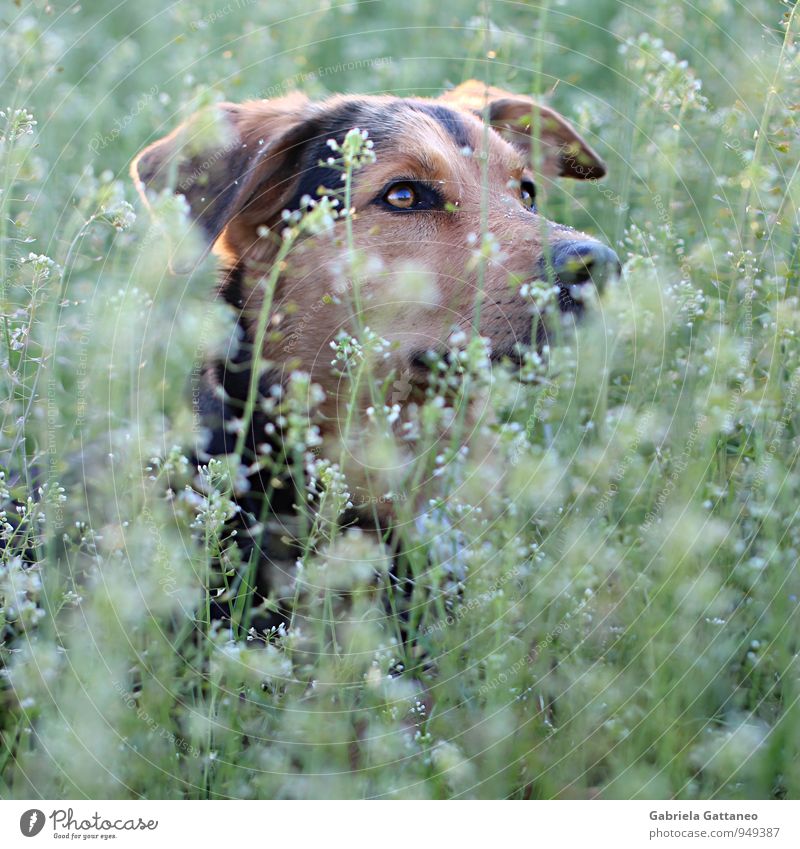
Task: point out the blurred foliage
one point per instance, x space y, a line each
618 617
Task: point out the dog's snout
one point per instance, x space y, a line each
575 263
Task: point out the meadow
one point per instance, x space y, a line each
618 620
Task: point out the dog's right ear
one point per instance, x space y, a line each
563 151
226 156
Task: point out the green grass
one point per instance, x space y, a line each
620 617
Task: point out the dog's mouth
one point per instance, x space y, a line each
581 272
572 297
578 284
571 300
422 363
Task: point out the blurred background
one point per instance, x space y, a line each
657 575
103 80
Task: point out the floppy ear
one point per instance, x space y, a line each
563 152
226 157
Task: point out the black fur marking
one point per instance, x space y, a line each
295 145
380 122
449 119
232 286
335 125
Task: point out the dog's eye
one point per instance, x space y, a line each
401 195
411 196
528 193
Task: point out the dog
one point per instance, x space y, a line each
444 170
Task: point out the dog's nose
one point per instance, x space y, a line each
584 262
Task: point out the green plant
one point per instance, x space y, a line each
604 603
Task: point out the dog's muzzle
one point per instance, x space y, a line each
574 266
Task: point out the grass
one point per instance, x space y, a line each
619 619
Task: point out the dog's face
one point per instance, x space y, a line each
445 171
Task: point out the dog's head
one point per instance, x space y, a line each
446 170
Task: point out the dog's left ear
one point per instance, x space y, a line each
229 159
563 152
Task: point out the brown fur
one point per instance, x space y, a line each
242 183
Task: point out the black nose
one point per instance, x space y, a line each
584 262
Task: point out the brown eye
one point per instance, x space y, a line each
528 193
401 195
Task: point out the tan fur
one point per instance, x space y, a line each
440 245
